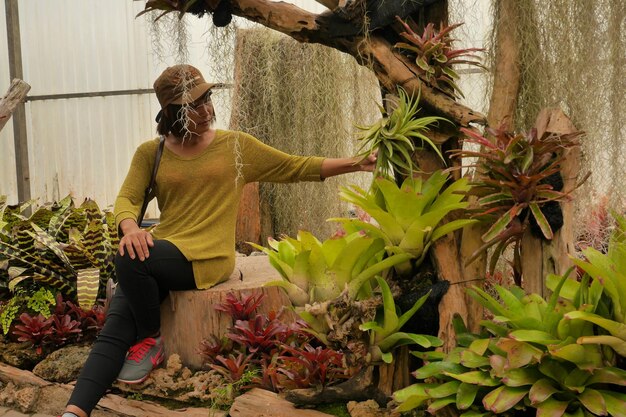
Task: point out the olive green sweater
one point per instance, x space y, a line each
199 196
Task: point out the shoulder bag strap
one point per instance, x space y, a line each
149 193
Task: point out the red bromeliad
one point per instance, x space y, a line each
435 57
513 184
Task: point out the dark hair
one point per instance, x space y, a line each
171 120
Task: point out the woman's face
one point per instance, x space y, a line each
200 114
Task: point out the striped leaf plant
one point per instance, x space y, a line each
60 246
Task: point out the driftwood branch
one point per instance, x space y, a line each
332 4
330 29
14 96
360 387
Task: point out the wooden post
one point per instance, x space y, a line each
506 82
541 257
14 96
19 114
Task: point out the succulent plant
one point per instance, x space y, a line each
513 184
435 57
608 274
313 271
396 136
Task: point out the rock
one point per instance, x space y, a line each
175 382
26 399
174 365
19 355
367 408
63 365
258 402
23 399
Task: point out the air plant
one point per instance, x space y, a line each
513 185
396 136
222 10
435 57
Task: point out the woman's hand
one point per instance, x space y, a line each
368 164
135 241
338 166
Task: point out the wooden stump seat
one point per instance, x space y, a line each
188 317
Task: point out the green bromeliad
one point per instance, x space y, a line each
526 357
408 218
386 334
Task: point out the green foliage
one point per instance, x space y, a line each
409 218
435 57
9 312
608 274
513 184
396 136
41 301
385 334
526 357
60 246
315 271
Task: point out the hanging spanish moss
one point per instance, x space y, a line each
572 56
302 99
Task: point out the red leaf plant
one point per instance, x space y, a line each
513 184
34 329
308 366
261 333
242 309
232 367
64 328
212 347
435 57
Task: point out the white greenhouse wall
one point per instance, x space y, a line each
83 146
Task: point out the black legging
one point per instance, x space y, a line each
134 314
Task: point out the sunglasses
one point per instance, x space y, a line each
199 102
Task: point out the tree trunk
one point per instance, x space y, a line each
248 219
15 95
189 317
391 68
258 402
